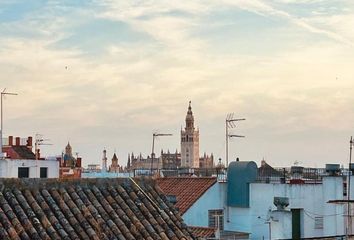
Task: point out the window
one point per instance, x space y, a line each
43 172
318 222
216 216
23 172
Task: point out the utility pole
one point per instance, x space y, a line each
230 123
349 231
154 135
3 93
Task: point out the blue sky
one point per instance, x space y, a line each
107 74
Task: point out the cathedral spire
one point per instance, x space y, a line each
190 118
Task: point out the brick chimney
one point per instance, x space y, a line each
78 162
29 142
18 141
11 140
38 154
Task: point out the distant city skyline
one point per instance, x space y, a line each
107 74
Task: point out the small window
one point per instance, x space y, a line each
216 217
23 172
43 172
318 222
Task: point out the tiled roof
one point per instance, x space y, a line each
23 152
203 232
187 189
95 209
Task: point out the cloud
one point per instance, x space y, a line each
263 9
149 59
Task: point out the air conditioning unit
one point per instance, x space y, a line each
332 169
281 202
297 170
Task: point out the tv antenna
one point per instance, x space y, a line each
39 141
3 94
154 135
230 122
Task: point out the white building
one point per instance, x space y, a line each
273 207
19 161
29 168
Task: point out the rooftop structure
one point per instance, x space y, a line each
19 160
266 202
87 209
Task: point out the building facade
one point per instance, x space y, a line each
170 160
190 142
267 203
70 167
20 161
140 162
114 167
207 161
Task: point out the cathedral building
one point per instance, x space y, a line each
114 167
70 167
190 142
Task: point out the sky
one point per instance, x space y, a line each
109 73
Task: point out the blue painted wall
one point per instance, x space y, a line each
239 176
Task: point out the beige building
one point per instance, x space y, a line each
190 142
114 167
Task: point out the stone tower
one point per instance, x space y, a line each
104 161
69 150
114 166
190 142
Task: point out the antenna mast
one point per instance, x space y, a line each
230 123
3 93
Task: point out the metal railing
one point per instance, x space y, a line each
181 172
293 175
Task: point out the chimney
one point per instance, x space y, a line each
17 141
38 154
11 140
78 162
29 142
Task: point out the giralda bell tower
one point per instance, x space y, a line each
190 142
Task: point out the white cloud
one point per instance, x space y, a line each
135 87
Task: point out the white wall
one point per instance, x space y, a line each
310 198
213 198
9 167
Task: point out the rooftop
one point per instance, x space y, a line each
87 209
186 196
203 232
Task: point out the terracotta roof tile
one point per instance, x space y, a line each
186 189
203 232
87 209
